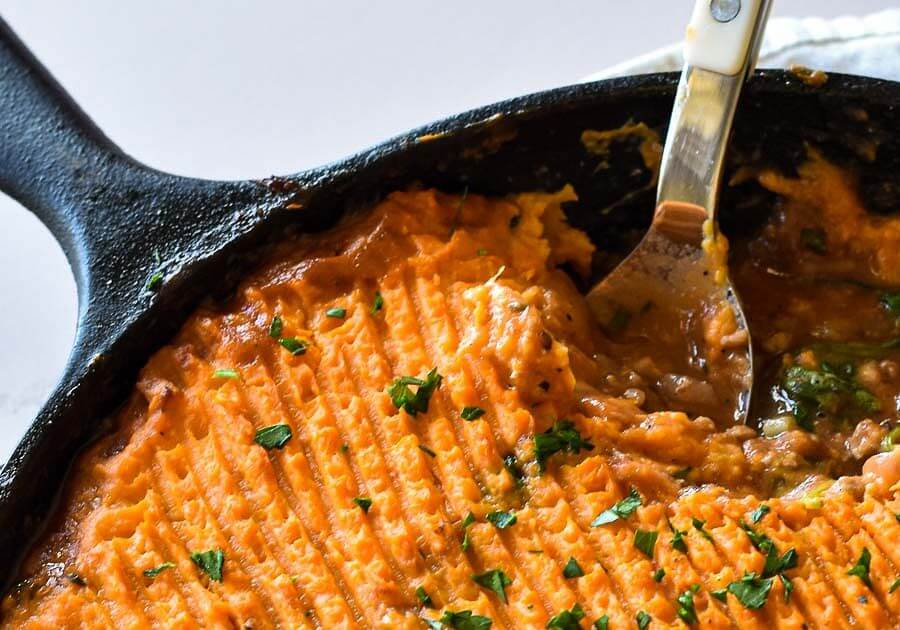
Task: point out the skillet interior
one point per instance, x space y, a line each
529 143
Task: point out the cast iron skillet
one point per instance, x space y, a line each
120 222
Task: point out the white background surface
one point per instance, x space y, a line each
228 89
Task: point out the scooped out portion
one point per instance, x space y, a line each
414 421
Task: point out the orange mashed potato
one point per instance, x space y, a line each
409 422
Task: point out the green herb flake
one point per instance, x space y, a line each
572 569
645 541
210 562
377 303
894 585
642 619
345 448
275 436
699 525
293 345
276 327
423 596
500 519
814 240
861 568
686 611
562 436
720 594
494 580
678 542
364 503
427 450
472 413
165 566
787 585
602 623
464 620
414 403
155 282
512 467
751 590
621 510
481 252
891 302
832 390
466 541
775 564
757 515
227 373
659 575
682 473
336 313
567 619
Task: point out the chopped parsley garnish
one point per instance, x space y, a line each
228 373
414 403
500 519
276 327
682 473
642 619
210 562
677 538
494 580
621 510
645 541
472 413
894 585
602 623
427 450
751 590
512 467
831 390
466 541
345 447
463 620
562 436
787 585
700 524
293 345
814 240
423 596
891 301
861 568
774 564
659 574
567 619
377 303
336 313
165 566
572 569
720 594
481 252
364 503
155 282
757 515
275 436
686 611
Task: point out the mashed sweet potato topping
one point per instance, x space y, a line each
412 421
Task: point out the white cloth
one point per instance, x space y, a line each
868 45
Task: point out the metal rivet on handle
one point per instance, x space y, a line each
724 10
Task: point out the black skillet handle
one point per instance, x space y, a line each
122 225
